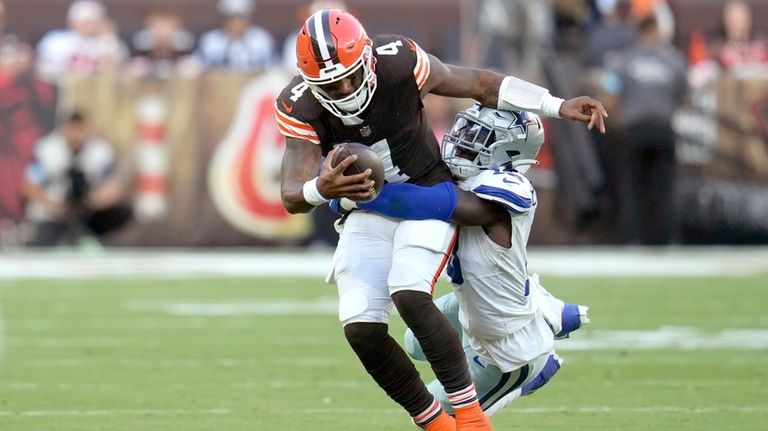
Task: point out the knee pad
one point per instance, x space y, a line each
421 250
416 270
363 304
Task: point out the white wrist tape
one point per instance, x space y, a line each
347 204
516 94
311 194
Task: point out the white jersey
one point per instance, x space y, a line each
492 283
64 51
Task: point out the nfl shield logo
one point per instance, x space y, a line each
365 131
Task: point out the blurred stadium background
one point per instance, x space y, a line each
206 309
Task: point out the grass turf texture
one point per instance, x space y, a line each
110 355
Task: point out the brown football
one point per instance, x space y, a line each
366 159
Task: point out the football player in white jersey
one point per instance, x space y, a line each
507 320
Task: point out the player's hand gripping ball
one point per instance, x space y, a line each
366 159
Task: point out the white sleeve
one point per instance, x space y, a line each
516 94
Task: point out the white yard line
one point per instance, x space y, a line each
255 385
2 335
563 409
352 411
321 306
572 262
129 412
147 363
339 384
669 337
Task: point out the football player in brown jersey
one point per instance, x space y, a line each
354 88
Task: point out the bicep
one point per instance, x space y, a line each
471 210
462 82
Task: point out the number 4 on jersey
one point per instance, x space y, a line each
298 91
390 48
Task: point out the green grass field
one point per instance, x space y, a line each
268 355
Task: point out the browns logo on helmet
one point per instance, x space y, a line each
332 45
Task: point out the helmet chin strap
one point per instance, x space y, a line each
462 168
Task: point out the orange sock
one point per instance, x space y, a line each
434 418
472 418
444 422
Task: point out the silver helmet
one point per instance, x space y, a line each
485 138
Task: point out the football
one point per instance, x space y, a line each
366 159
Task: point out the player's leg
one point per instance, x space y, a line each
497 389
449 306
551 367
421 249
361 266
529 378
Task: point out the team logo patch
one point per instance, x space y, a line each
365 131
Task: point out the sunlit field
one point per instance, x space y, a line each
267 354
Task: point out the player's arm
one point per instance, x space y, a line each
509 93
446 202
303 188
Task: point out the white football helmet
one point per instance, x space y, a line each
486 138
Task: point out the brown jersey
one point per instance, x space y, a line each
394 124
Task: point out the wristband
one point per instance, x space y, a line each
550 106
311 194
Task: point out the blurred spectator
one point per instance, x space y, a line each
14 55
511 35
571 18
303 12
236 44
740 49
614 32
162 46
89 45
72 186
18 129
648 83
660 9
